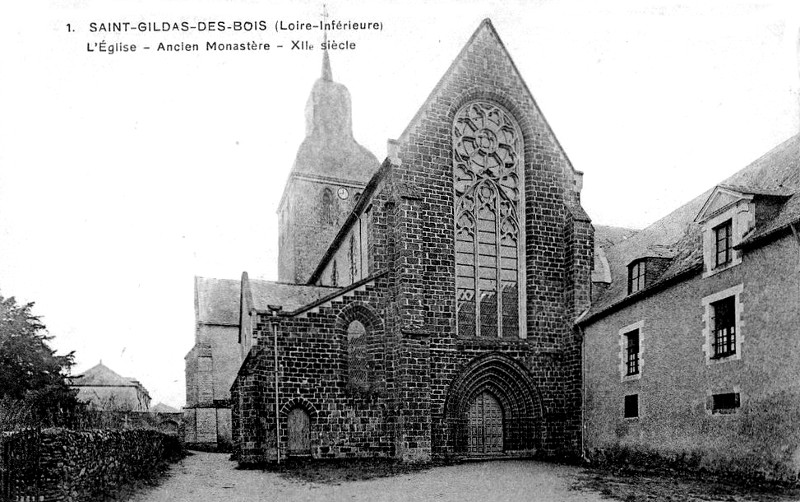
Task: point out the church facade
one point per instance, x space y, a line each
457 267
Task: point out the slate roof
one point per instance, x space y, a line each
606 237
677 235
217 300
102 375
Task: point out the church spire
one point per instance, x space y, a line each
327 74
329 161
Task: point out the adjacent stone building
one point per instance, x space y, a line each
692 351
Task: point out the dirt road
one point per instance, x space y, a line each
211 477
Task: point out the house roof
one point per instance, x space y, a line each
217 301
789 213
606 237
102 375
776 173
163 408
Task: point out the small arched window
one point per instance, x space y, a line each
334 275
357 371
326 211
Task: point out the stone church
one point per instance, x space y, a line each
449 276
456 300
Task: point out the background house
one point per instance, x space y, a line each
105 390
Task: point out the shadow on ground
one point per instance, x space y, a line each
634 486
336 471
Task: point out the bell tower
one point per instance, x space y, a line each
330 171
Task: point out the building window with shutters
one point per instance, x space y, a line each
724 327
722 319
489 216
632 353
631 341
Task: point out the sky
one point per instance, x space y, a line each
123 176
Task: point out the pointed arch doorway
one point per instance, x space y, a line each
485 426
494 409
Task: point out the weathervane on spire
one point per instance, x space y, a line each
327 74
325 16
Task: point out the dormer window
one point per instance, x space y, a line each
723 249
730 216
636 274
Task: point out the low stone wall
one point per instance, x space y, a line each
71 466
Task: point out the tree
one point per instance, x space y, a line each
30 371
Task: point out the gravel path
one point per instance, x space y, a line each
211 477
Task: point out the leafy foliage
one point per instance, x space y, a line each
27 361
31 374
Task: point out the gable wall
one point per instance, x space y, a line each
558 253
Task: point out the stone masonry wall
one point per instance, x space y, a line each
313 361
57 465
309 226
558 256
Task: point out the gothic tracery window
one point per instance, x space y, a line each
358 372
487 157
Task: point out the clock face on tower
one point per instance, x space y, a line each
343 194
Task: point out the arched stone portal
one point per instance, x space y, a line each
493 408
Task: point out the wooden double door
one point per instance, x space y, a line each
485 426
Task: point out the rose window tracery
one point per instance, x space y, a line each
487 150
